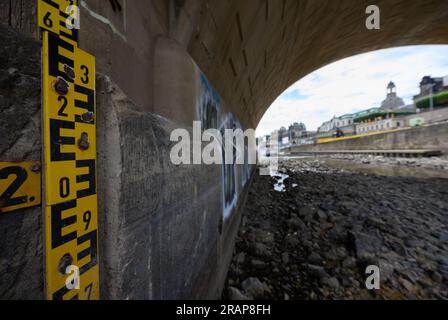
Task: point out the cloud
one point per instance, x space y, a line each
354 84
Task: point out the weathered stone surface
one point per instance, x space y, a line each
254 287
285 257
291 240
21 237
331 282
315 258
236 294
317 272
156 216
19 96
364 245
261 250
258 264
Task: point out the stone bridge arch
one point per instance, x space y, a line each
168 231
253 50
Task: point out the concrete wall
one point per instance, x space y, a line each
437 115
426 137
160 222
172 230
21 238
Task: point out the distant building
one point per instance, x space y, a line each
324 129
264 145
378 119
337 126
389 116
392 114
433 93
392 101
294 135
345 125
438 84
309 138
296 131
283 136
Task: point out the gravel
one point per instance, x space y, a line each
315 240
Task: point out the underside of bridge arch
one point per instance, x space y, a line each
253 50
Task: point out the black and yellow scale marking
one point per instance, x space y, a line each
69 142
20 185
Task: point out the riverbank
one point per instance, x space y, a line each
430 136
314 237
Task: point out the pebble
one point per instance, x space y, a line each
254 288
332 282
235 294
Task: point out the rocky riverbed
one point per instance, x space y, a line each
437 163
314 237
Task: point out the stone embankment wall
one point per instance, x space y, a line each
434 116
424 137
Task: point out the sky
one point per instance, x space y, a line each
354 84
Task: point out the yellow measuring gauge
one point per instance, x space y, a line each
20 185
56 16
71 214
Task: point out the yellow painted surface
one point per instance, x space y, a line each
20 186
324 140
50 14
71 213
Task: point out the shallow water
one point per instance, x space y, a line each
279 186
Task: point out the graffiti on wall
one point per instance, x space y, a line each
234 177
228 170
209 105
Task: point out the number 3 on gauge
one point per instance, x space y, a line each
85 75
